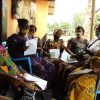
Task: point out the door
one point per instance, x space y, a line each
3 20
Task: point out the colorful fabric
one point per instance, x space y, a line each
83 88
53 45
6 65
78 46
41 67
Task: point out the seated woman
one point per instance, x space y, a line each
84 85
30 35
78 44
17 46
94 45
31 32
57 43
95 49
11 83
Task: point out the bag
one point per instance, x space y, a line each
36 95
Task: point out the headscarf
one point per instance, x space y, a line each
57 34
23 23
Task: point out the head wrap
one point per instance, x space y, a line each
56 31
22 23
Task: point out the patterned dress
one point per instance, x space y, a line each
50 44
78 46
9 76
83 87
41 67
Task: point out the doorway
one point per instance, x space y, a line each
3 20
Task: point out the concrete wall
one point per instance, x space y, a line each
40 20
11 22
41 17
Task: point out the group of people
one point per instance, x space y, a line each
56 70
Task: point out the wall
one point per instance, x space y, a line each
11 22
41 17
40 20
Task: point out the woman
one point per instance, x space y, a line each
94 45
30 35
75 47
83 87
32 31
17 46
12 81
60 65
78 44
57 43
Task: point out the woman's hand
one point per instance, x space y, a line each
73 55
26 47
17 82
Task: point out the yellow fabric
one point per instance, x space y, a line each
72 95
83 88
57 44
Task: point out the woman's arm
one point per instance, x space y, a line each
5 98
68 49
15 80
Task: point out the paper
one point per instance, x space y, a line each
32 46
81 72
67 57
54 53
40 82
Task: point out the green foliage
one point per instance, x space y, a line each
97 18
53 26
64 26
78 19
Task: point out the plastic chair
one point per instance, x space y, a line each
24 63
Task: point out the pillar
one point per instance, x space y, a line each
92 33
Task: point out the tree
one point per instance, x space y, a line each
53 26
97 19
64 25
78 19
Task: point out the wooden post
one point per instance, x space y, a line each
92 33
